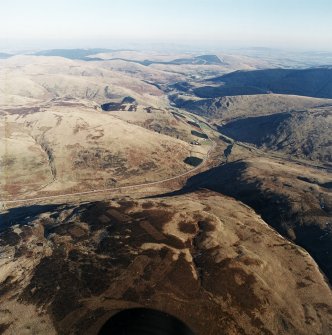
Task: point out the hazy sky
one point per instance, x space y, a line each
303 24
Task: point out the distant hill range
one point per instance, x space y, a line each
4 55
87 55
197 60
82 54
200 60
313 82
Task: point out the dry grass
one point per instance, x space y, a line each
67 146
231 272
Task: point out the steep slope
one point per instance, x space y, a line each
71 145
204 258
315 82
233 107
294 199
305 134
70 125
297 126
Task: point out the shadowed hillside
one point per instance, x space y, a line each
205 258
95 143
293 199
305 134
308 82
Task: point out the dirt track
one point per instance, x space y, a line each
196 169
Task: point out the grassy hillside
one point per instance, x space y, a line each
72 145
304 134
316 82
203 257
294 199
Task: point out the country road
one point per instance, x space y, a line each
3 203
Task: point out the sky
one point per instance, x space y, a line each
302 24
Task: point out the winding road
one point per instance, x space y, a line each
112 189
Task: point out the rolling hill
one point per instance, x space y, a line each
103 209
313 82
203 257
303 134
38 78
294 199
68 145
